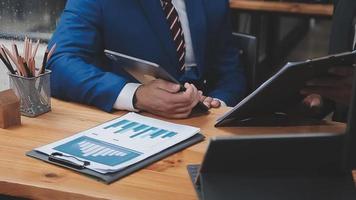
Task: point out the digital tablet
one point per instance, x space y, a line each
142 70
282 91
145 71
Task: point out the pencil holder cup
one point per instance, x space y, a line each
34 93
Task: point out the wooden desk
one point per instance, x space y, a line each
167 179
283 7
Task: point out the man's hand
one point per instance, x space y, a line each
210 102
163 98
337 87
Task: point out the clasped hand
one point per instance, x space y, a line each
165 99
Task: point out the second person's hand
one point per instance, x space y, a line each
210 102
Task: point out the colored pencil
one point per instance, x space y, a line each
44 62
7 65
51 52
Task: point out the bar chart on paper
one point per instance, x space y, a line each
144 133
137 130
98 151
121 142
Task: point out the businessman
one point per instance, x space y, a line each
191 39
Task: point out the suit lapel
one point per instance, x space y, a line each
154 13
197 24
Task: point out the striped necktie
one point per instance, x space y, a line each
176 30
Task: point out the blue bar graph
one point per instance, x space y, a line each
98 151
144 131
119 123
158 133
138 130
127 127
149 132
170 134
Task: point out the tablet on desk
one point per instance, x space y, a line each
271 101
145 71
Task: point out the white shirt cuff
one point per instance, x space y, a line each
124 100
222 103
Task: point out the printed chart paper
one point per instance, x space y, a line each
122 142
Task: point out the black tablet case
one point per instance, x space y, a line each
111 177
282 91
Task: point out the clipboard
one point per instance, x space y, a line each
111 177
269 104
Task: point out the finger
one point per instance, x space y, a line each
187 85
175 99
167 86
189 96
215 103
195 92
341 71
313 100
208 101
200 94
186 98
202 98
307 100
196 96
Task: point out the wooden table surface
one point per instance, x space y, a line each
167 179
283 7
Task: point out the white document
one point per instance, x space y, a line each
122 142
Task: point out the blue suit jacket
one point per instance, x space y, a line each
81 73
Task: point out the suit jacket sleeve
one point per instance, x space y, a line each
227 75
76 75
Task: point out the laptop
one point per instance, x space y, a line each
291 166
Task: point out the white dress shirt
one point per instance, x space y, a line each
124 100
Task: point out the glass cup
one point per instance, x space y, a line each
34 93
